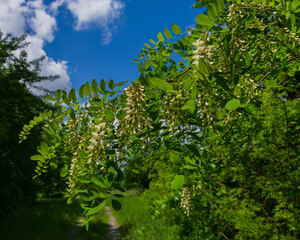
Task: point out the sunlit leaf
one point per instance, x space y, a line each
233 104
176 29
102 85
95 209
160 37
95 86
167 33
177 182
204 20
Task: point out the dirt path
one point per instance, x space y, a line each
113 229
75 229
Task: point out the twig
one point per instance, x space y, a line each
263 78
225 134
224 235
180 74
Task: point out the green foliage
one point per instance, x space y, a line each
212 122
20 112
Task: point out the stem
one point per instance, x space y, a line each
287 131
224 235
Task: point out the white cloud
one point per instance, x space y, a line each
101 12
49 66
12 18
41 22
17 16
93 13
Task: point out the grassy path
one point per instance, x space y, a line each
75 230
114 228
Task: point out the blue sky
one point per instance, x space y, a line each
87 39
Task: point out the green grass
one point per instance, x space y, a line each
137 223
51 219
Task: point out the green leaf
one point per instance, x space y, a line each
109 115
37 158
233 104
95 209
112 170
176 29
293 19
194 93
72 113
211 13
160 37
121 115
177 182
95 86
83 180
50 98
221 4
58 94
150 40
87 89
189 104
216 10
189 167
64 171
85 197
167 33
111 84
69 201
175 157
226 48
189 160
98 181
87 225
203 66
72 95
159 83
116 204
204 20
102 85
81 91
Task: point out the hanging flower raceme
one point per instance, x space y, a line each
202 52
172 114
137 121
74 144
98 144
186 201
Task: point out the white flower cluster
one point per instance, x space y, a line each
137 119
202 51
172 113
98 142
185 201
196 189
73 168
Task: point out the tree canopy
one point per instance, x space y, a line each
18 106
